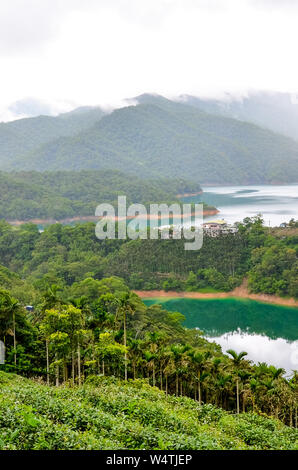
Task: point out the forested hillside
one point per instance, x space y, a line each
100 328
162 138
66 194
275 111
270 263
64 255
91 334
24 135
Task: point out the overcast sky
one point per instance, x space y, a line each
89 52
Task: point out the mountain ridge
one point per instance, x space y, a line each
274 111
159 137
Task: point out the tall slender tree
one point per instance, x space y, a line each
237 360
127 305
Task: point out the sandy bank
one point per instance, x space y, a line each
240 292
189 194
89 218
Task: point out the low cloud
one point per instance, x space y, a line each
101 51
281 4
29 24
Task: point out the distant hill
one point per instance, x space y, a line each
275 111
157 138
65 194
25 135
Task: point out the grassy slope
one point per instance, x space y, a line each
109 414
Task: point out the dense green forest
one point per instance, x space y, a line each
270 262
67 194
100 327
25 135
68 254
157 138
92 342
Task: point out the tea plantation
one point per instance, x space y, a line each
107 413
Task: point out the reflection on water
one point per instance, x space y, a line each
278 352
268 333
277 204
219 316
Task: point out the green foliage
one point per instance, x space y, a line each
69 194
207 278
107 413
274 269
156 138
74 258
25 135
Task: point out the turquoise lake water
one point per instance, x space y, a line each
268 333
277 203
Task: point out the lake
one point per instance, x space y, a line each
277 203
268 333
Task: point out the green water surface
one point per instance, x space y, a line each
268 333
218 316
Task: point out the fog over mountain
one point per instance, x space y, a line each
275 111
152 138
272 110
99 52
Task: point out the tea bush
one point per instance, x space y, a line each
107 413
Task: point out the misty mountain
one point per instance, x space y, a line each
161 138
275 111
30 107
25 135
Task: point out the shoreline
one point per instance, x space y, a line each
89 218
189 194
238 292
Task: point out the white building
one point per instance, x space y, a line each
213 228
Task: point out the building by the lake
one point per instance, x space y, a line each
213 228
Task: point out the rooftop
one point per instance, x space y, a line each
218 222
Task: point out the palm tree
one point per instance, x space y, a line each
178 352
155 343
253 386
237 359
150 359
222 381
82 303
168 365
126 304
244 375
103 313
293 384
8 307
276 373
162 358
199 361
51 298
135 350
277 379
14 305
216 368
